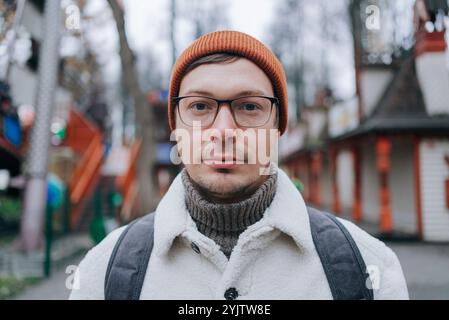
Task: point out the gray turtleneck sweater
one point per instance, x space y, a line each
224 223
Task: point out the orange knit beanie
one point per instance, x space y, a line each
240 44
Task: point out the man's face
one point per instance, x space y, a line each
214 174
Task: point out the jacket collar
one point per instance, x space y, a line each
287 213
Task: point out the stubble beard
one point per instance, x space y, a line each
219 190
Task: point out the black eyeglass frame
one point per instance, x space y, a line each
273 100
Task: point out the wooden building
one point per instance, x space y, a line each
383 157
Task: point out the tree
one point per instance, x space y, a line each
143 114
356 27
287 38
173 30
150 75
306 37
205 15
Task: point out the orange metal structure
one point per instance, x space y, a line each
127 183
85 139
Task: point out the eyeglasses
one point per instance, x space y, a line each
249 112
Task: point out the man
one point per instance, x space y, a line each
228 228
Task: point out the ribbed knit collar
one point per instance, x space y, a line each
225 222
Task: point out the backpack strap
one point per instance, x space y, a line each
342 262
341 259
129 260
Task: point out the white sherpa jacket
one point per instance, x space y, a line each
274 258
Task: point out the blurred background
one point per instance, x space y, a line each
85 145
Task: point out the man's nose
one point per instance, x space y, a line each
224 119
223 124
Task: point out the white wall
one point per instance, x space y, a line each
373 85
434 81
325 183
370 184
401 182
402 186
23 85
434 171
22 80
345 180
24 88
316 120
32 20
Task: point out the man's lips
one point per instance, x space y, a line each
221 165
224 162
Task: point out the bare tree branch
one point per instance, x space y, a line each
144 116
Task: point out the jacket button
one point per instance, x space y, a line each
231 294
195 248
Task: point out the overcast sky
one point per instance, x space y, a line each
148 21
147 24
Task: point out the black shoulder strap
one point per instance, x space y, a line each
341 259
342 262
129 260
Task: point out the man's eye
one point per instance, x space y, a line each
249 107
199 106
